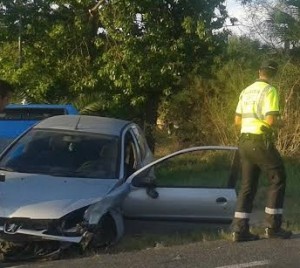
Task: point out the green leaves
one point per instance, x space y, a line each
127 53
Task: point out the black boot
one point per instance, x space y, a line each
277 233
244 236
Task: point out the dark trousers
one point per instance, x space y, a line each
258 155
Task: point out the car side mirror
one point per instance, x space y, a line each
148 183
151 191
141 181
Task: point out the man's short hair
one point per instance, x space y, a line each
269 68
5 88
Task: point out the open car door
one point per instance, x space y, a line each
192 184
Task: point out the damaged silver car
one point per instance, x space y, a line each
72 179
53 174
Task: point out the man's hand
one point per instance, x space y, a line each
237 125
274 121
237 122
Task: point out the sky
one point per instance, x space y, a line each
251 26
236 10
234 7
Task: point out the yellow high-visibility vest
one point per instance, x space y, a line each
255 103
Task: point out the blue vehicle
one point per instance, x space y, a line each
17 118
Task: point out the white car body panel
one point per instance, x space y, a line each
181 203
38 196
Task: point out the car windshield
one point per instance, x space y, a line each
65 154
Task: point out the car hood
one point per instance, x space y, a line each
38 196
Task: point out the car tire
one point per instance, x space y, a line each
105 232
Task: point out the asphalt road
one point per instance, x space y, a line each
216 254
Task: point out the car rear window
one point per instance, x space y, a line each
30 113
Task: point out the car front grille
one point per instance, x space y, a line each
27 223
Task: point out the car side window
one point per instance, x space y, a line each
200 169
130 155
141 140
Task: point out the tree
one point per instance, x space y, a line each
152 46
130 54
58 49
276 22
209 104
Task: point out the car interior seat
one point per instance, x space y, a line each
57 154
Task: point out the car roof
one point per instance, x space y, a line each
84 123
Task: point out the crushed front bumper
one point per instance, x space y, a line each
37 235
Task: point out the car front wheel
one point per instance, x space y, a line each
105 232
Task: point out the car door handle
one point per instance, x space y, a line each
221 200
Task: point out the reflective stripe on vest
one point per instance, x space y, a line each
274 211
263 94
249 115
242 215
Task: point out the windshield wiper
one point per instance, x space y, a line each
61 173
7 169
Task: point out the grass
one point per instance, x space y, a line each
145 241
197 169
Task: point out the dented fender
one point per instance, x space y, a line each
111 203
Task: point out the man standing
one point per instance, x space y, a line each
5 93
257 114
